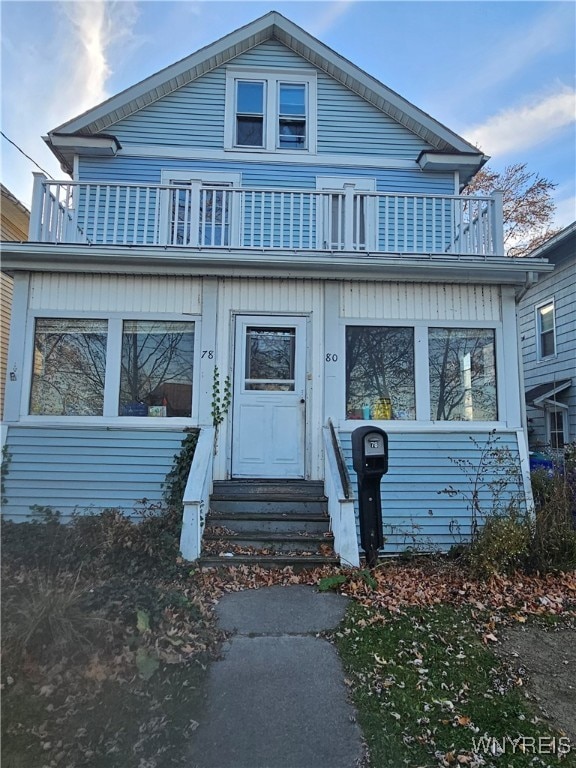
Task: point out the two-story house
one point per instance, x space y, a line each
547 322
265 213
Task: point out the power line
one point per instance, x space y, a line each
27 156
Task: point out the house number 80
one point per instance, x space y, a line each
331 358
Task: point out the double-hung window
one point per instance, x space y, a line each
271 111
545 330
112 367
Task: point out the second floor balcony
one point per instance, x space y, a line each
199 216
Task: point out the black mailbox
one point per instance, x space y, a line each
370 461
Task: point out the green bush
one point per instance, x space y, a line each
503 545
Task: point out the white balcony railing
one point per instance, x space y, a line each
223 217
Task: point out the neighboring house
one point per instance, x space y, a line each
263 210
547 323
14 222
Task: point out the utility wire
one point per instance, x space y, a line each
25 155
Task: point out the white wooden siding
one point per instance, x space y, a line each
415 511
420 301
193 116
115 293
86 469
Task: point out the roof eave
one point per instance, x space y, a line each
271 25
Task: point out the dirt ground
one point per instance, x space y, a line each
546 660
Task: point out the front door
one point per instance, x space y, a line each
268 400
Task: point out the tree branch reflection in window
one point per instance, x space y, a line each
380 372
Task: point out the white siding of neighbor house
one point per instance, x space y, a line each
559 286
87 469
193 116
417 513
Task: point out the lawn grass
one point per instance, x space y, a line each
427 689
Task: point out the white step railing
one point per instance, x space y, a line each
224 217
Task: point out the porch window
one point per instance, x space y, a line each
69 367
462 370
380 379
156 368
546 330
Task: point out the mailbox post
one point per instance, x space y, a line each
370 461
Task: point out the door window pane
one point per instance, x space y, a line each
380 373
556 420
69 367
156 368
270 359
462 367
250 114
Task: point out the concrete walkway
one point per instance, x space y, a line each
278 699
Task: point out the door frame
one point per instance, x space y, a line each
272 319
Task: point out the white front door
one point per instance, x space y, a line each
268 408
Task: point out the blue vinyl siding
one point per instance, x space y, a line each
147 170
415 512
193 116
86 470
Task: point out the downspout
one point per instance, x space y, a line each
531 280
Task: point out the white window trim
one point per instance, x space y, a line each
539 356
338 183
110 414
272 80
199 178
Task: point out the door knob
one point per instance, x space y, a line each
302 401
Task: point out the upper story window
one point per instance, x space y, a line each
271 111
545 330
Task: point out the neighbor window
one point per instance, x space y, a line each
462 370
557 422
546 330
270 111
69 367
156 368
380 381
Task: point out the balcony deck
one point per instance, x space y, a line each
234 218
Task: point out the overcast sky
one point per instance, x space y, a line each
501 74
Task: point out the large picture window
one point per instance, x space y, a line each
110 367
380 381
69 367
156 368
462 370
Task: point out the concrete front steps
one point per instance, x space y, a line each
270 523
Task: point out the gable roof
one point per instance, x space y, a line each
270 26
560 246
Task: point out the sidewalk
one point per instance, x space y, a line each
277 699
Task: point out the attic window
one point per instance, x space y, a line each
250 113
271 111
